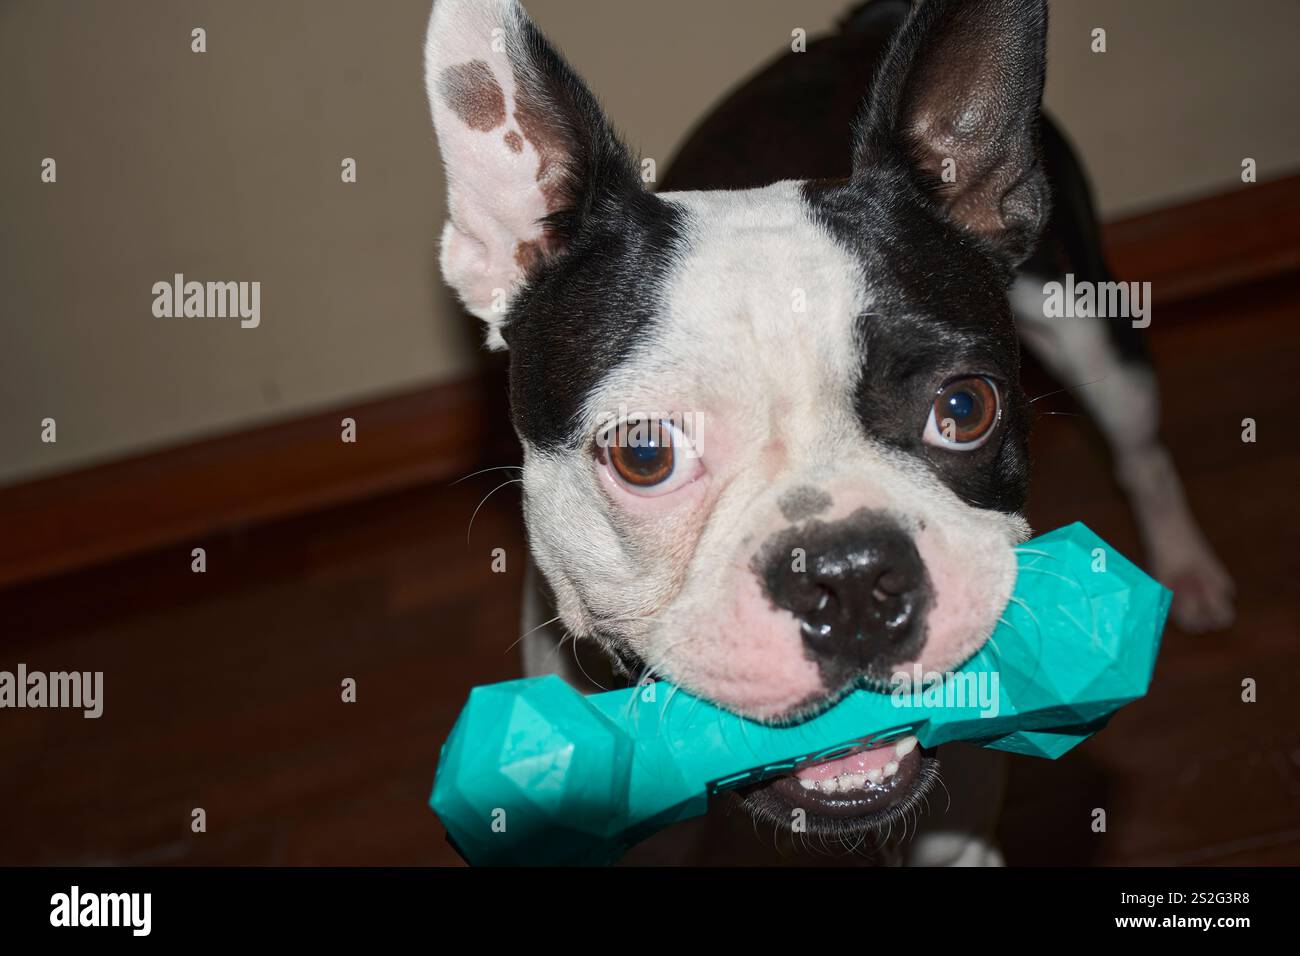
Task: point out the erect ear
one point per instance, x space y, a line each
957 100
528 154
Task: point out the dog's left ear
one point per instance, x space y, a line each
528 153
957 102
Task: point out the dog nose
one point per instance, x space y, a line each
860 594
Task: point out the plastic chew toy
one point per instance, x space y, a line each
535 773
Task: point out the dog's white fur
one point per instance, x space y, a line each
756 339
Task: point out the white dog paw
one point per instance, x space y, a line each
1203 593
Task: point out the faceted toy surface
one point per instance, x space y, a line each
535 773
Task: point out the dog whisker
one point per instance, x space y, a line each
1069 388
532 631
1092 613
573 642
1043 554
572 639
671 695
1029 678
1025 607
1053 574
469 530
484 471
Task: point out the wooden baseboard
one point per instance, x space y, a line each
68 521
59 524
1245 235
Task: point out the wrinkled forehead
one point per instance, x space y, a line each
761 307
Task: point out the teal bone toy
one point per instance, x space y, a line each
535 773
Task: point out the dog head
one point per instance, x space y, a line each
774 440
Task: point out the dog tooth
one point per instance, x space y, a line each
891 768
874 775
904 747
831 785
807 784
854 781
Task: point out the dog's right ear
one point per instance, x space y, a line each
958 93
527 152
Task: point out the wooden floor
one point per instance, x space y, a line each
223 689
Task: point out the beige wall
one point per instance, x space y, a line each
1185 90
225 166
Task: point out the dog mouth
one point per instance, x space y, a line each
851 797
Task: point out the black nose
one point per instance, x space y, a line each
859 589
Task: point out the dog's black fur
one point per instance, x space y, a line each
609 246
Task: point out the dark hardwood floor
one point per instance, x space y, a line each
222 690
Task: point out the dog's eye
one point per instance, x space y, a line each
646 456
963 415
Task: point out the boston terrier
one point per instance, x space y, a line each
774 440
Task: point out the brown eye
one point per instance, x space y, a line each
641 452
964 414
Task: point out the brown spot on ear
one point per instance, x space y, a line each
474 95
515 142
528 255
552 148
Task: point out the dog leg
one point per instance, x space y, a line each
1121 395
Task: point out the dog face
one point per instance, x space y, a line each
774 439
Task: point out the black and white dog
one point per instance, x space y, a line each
775 444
